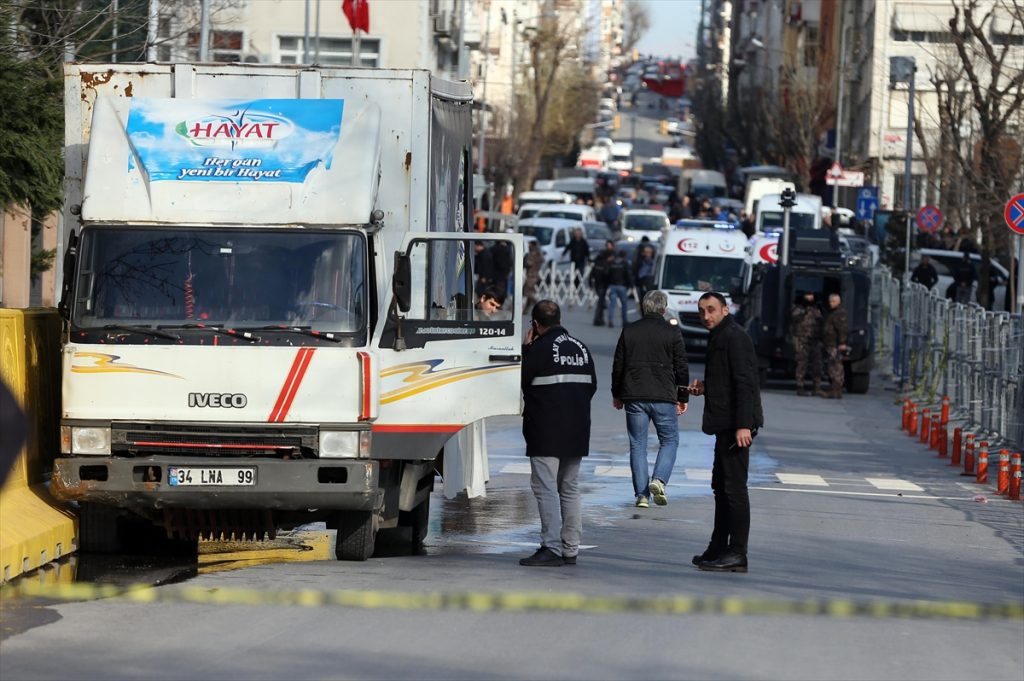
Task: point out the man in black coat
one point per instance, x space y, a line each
558 383
925 273
732 413
650 378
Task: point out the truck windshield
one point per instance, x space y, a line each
153 277
771 221
689 273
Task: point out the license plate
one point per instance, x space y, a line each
699 342
207 477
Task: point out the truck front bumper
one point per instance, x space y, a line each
345 484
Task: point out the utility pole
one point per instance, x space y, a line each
152 29
305 37
204 30
902 70
512 94
839 104
483 95
113 31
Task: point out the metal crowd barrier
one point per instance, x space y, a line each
565 285
941 348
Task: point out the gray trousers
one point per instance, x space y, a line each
555 484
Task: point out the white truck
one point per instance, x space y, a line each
805 214
699 256
269 302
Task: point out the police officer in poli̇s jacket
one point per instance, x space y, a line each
732 413
558 383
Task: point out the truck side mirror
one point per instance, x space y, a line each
401 282
736 289
70 259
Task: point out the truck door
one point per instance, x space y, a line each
447 358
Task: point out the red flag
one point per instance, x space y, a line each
358 14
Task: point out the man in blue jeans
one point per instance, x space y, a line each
619 281
650 378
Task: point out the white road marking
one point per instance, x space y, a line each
801 479
698 473
894 484
860 494
522 468
613 471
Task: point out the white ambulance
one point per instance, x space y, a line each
699 256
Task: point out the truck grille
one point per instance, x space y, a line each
144 439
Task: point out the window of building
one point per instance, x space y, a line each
810 45
1007 38
917 184
332 51
903 36
225 46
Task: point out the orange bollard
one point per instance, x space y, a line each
906 415
955 455
969 455
926 425
913 419
943 434
982 476
1015 477
1003 475
944 419
936 426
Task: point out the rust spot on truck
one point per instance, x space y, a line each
408 160
95 79
66 490
128 90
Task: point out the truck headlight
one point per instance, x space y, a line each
90 440
344 444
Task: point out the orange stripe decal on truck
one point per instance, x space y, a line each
291 384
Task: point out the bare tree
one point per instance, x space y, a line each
989 148
637 22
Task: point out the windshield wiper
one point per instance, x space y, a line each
234 333
143 330
304 330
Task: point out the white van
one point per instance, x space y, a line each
760 187
574 211
622 157
806 214
636 223
699 256
545 197
552 235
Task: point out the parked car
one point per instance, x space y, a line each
637 223
572 211
596 234
945 264
552 235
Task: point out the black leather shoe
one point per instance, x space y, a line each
569 560
705 557
727 562
544 557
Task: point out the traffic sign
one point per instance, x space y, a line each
848 178
836 170
929 219
1014 214
867 203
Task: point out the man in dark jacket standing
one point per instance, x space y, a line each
650 379
732 413
925 273
559 381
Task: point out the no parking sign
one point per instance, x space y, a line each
929 219
1014 214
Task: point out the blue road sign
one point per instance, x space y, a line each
867 203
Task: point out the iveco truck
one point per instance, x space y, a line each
268 296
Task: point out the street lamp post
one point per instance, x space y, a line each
901 70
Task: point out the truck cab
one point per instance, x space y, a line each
269 303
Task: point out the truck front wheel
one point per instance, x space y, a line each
100 529
356 535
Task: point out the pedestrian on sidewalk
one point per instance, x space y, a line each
650 380
732 413
558 382
834 336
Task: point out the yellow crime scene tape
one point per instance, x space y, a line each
515 602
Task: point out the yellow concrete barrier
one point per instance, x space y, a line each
34 529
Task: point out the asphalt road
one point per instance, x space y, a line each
845 508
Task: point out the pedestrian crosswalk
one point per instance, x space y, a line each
605 468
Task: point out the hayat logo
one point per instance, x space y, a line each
239 129
770 252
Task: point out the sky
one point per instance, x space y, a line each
673 31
